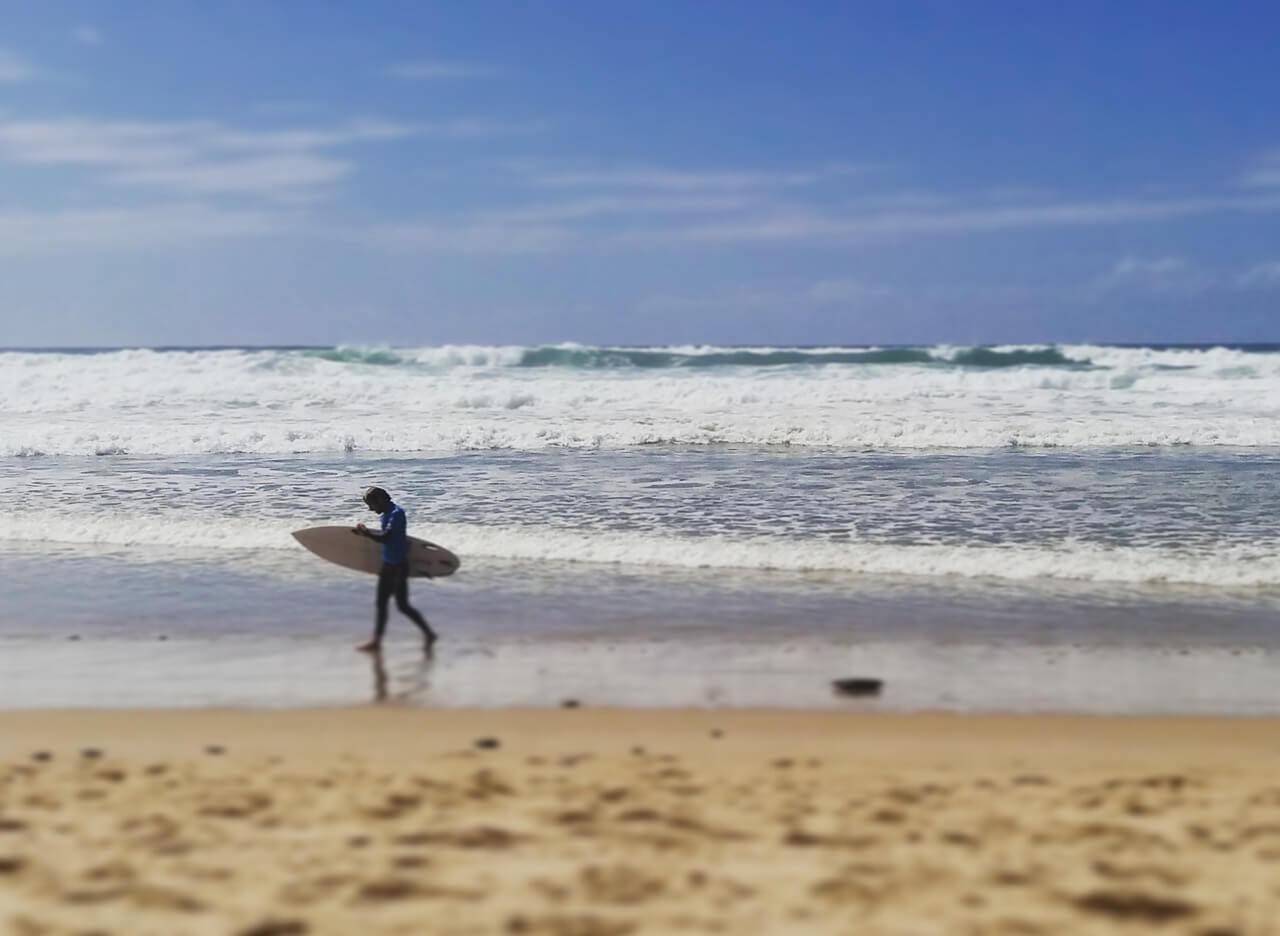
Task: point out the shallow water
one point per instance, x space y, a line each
99 630
1082 528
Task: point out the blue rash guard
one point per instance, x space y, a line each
395 548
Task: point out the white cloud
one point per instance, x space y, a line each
441 71
1265 173
13 69
123 229
654 221
1146 269
478 127
204 157
1175 275
686 181
539 228
75 141
265 175
87 35
464 236
788 224
617 206
196 157
85 141
353 132
1164 275
1264 275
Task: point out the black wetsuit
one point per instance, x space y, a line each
393 580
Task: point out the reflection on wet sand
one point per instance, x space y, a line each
414 679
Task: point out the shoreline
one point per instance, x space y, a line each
679 668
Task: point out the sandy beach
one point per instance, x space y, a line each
607 821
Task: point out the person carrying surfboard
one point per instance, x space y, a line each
393 578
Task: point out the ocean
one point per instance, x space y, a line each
1082 528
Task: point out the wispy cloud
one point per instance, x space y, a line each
13 69
1261 275
266 175
1175 275
804 225
1167 276
479 127
542 226
195 157
681 216
122 229
85 142
1137 268
87 35
1265 173
670 180
441 71
204 157
88 141
617 206
467 236
645 207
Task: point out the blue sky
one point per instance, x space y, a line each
848 172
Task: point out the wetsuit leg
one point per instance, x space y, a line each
402 602
386 587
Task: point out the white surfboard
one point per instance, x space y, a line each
342 545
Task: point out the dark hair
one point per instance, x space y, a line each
375 492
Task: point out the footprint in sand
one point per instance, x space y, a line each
563 925
1135 906
619 884
277 928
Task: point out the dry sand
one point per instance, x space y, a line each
589 822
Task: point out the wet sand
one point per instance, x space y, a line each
586 822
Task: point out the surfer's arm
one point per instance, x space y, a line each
363 530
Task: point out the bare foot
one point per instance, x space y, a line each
371 647
428 642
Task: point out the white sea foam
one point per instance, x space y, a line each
448 399
1224 567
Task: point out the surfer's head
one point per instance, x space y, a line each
377 500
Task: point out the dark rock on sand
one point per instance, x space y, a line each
858 686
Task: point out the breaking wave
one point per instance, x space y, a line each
1227 566
509 397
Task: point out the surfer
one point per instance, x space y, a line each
393 578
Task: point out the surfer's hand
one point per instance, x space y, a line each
360 530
